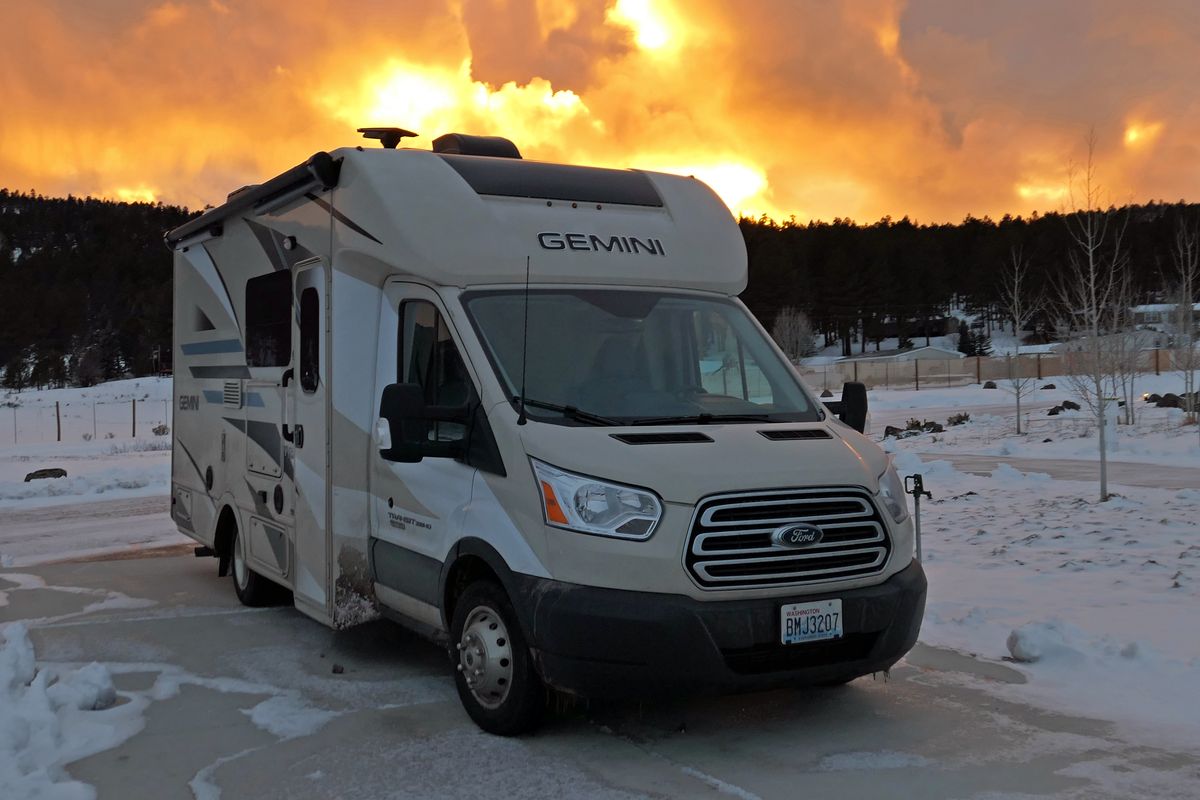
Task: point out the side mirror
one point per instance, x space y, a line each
409 419
853 409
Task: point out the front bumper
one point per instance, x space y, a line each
611 643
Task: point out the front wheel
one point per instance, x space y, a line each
496 680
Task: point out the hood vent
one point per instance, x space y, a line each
685 437
796 433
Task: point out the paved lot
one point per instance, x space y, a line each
175 636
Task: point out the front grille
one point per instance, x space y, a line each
730 547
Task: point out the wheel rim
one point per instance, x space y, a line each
485 657
240 573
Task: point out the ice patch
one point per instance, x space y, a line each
288 717
883 759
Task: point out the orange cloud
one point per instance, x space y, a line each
857 108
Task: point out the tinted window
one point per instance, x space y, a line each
310 339
269 320
429 358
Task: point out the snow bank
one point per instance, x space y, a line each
49 719
103 484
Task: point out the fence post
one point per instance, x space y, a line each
14 424
1038 356
57 422
978 371
856 372
1156 372
133 427
917 373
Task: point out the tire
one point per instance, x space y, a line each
494 672
252 589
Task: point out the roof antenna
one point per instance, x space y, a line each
388 137
521 417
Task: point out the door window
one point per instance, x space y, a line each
429 358
310 340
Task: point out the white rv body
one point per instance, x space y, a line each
290 304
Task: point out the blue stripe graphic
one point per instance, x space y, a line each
211 396
208 348
254 400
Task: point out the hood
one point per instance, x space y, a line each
739 457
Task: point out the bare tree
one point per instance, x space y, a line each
793 333
1124 347
1182 289
1021 305
1090 294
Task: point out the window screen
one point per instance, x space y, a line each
310 340
269 320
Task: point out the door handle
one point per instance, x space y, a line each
298 436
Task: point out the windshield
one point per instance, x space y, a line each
600 357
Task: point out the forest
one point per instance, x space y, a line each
87 283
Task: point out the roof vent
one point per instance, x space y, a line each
388 137
463 144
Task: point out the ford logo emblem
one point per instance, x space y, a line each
802 535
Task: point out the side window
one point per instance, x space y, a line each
310 340
429 358
725 367
269 320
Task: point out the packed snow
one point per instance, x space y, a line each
51 716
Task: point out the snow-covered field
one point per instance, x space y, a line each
1097 603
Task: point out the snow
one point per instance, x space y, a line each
288 717
1098 604
52 716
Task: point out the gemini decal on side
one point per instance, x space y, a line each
189 402
590 242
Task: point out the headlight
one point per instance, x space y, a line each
587 505
891 494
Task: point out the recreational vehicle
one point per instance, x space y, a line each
518 407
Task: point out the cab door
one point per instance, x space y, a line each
307 435
419 507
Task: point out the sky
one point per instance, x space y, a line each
813 109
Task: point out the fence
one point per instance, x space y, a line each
83 420
938 373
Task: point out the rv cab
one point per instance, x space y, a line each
517 407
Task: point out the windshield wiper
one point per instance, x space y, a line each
571 412
702 419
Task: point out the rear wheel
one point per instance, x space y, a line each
495 677
252 589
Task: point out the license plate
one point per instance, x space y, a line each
810 622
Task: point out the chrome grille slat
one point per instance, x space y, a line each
706 518
729 541
878 535
880 555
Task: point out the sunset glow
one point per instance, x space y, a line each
817 110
